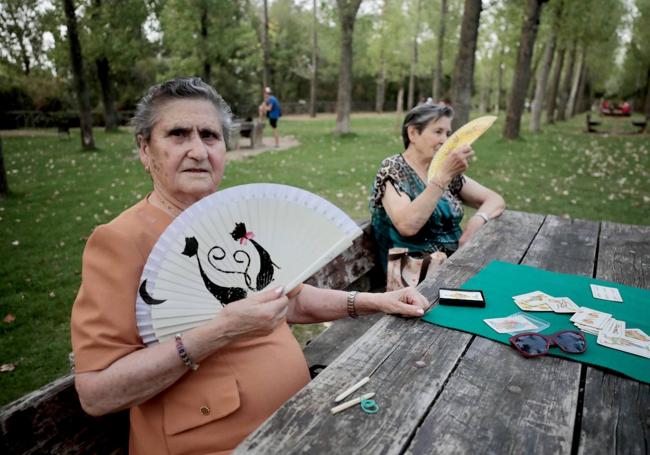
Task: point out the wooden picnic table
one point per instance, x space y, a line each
474 395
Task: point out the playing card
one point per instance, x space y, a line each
625 344
614 327
562 305
510 324
527 307
591 318
534 298
637 334
588 329
606 293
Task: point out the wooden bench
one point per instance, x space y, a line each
252 129
50 419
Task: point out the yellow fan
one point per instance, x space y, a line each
465 135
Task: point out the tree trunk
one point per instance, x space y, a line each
414 59
582 101
399 108
497 103
108 94
265 46
522 69
314 64
104 75
576 83
347 15
437 74
566 85
461 84
540 90
646 109
83 97
484 104
553 88
4 186
381 89
532 83
207 66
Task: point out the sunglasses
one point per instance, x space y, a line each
535 345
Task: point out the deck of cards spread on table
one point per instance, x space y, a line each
611 332
540 301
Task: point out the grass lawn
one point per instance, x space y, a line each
59 194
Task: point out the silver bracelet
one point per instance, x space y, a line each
483 215
352 308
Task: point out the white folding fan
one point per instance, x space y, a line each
233 243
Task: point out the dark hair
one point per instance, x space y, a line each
179 88
420 116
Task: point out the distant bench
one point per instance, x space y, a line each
252 129
592 124
50 419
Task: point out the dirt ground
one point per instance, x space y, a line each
286 142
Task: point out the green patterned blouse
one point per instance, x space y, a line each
440 233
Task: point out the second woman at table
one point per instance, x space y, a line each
411 211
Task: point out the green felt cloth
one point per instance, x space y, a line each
500 281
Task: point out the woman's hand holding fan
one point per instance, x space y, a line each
464 136
232 244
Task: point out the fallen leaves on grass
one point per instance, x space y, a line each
9 318
7 367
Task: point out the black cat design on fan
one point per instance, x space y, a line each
224 294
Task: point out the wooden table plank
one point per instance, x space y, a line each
616 412
389 351
500 402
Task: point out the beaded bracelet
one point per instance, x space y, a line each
352 308
182 353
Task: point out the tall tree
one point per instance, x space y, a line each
314 62
21 36
544 70
347 10
522 69
83 95
554 86
573 94
646 108
540 88
500 70
265 46
566 83
104 75
437 71
206 61
4 186
461 84
414 57
218 45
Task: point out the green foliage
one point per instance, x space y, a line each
228 43
60 194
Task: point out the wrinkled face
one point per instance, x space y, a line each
432 136
186 152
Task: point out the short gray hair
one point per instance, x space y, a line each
420 116
146 112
